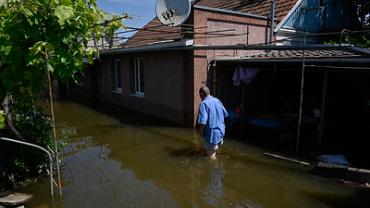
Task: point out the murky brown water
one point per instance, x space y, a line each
111 164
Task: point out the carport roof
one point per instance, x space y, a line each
345 55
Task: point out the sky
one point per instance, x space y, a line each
142 10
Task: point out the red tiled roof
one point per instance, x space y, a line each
154 32
258 7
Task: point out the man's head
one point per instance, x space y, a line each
204 92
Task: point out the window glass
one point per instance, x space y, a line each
139 75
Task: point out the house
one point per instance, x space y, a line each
144 76
315 16
160 69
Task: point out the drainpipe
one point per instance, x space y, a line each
272 19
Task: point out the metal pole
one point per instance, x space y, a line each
214 79
42 149
272 18
341 36
243 106
301 99
323 107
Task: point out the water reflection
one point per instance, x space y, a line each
215 189
360 199
101 182
112 164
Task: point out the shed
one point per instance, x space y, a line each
301 85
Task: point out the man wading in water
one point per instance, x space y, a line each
211 122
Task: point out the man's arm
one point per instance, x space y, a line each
202 119
201 129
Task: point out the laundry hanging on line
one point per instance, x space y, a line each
243 74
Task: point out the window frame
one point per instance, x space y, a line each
115 88
139 77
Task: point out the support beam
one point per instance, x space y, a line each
301 99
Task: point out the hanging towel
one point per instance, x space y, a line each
245 75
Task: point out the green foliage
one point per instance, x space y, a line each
359 40
37 36
112 27
360 37
2 120
34 125
63 13
363 12
30 30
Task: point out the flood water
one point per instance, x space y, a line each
112 164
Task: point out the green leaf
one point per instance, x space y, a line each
2 3
38 47
50 68
6 50
31 28
2 118
63 13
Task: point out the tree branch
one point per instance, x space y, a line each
7 103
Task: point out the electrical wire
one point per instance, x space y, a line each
149 29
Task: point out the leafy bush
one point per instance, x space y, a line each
2 120
35 126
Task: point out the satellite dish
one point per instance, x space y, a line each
173 12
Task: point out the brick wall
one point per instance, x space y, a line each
163 83
255 29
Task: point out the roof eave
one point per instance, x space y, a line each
149 48
283 21
358 60
363 51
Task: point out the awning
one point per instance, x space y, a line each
336 57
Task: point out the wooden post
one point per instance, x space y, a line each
53 123
287 159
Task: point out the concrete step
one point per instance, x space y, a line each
13 199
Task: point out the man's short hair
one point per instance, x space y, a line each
204 91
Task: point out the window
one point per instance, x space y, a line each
139 76
116 74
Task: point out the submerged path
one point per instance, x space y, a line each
112 164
